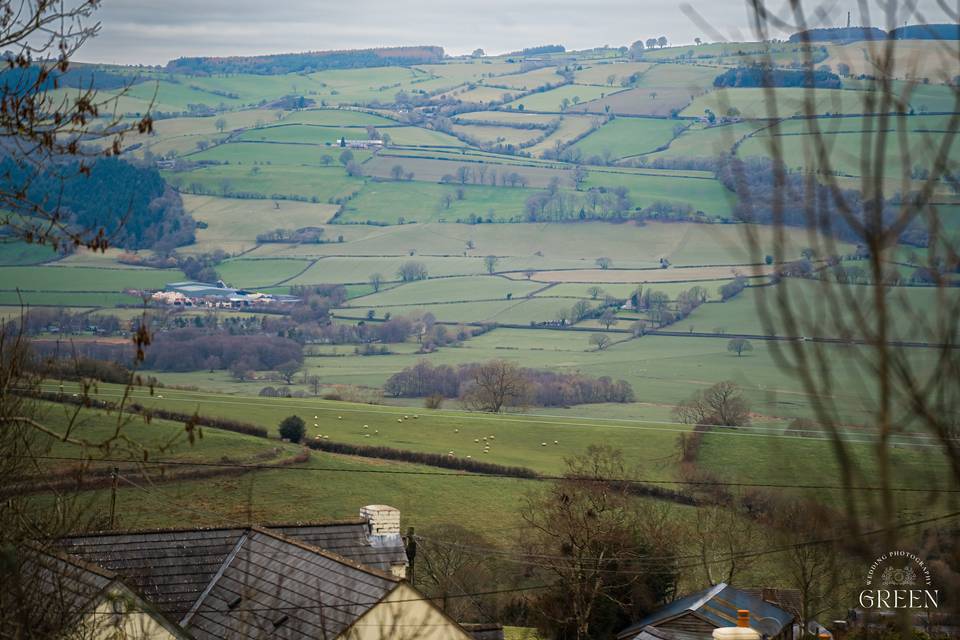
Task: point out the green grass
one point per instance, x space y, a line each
449 289
309 182
21 253
233 224
624 137
706 195
302 133
259 272
421 202
337 118
787 102
85 279
67 299
338 269
274 153
845 137
552 100
705 142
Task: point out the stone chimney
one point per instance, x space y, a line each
384 524
383 520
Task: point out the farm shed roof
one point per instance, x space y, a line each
171 568
718 605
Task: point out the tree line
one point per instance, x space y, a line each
499 384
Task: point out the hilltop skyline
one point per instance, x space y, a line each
136 33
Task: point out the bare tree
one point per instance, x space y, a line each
490 264
376 281
591 537
608 318
600 340
496 385
885 205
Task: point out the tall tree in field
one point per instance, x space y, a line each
496 385
490 264
739 345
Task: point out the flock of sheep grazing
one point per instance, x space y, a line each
487 440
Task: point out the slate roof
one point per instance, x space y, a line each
656 633
718 605
274 585
172 568
351 540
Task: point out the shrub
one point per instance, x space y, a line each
433 401
292 428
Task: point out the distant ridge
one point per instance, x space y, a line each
308 61
857 34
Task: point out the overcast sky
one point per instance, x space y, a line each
153 32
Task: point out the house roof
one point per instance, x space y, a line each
718 606
656 633
272 584
173 567
66 588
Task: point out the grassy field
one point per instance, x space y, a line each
600 73
233 225
421 202
259 272
571 127
307 182
624 137
912 141
448 290
755 103
552 100
86 279
21 253
699 141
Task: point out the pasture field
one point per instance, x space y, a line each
508 118
433 170
341 269
86 279
600 73
421 202
756 104
699 141
706 195
639 102
527 81
233 225
844 137
21 253
741 314
571 128
622 137
648 276
518 438
912 59
474 311
448 290
419 137
65 298
692 78
497 134
274 153
551 245
336 118
482 94
322 183
552 101
260 272
301 133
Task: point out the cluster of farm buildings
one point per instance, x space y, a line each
204 294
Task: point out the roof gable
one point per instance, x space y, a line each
279 586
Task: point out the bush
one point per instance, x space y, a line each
433 401
293 428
